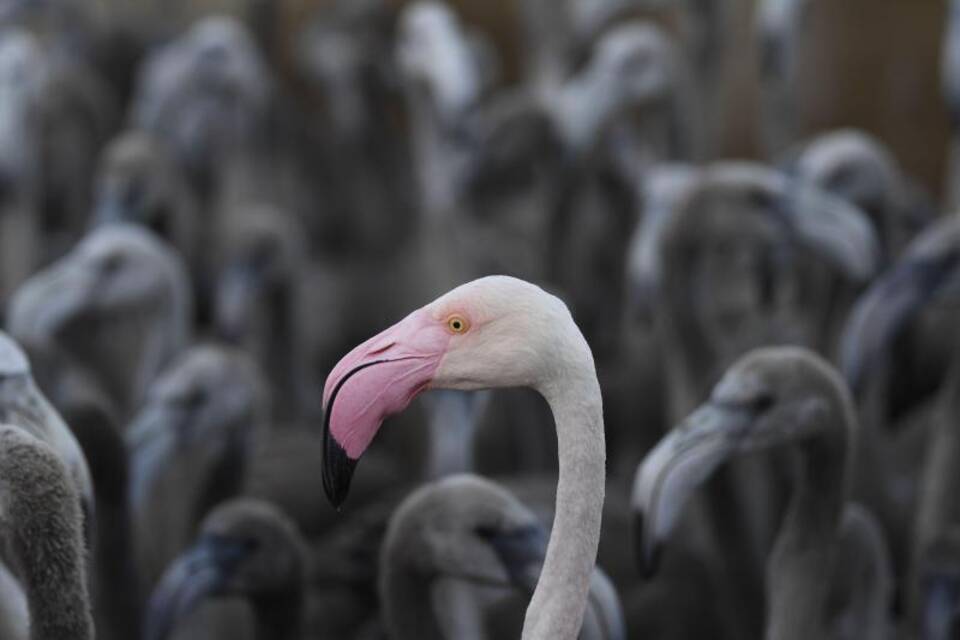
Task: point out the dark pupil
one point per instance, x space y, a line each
456 325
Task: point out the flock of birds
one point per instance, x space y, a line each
734 415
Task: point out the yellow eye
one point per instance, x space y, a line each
457 324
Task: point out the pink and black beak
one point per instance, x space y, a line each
377 379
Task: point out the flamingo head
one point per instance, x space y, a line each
493 332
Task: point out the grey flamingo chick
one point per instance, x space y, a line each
916 496
780 27
189 446
245 548
138 182
723 255
206 95
22 73
776 396
469 530
55 115
859 168
118 306
259 304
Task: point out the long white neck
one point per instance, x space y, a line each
558 604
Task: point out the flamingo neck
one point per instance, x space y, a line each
42 525
408 608
802 561
49 548
560 598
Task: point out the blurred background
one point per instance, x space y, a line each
204 205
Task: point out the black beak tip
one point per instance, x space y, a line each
338 470
647 553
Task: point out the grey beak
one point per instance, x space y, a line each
886 308
671 472
521 552
49 302
831 227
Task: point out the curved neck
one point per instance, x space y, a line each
937 508
801 564
868 585
558 604
408 605
116 590
49 549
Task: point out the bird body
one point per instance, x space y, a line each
43 537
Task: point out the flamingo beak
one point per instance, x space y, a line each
667 478
377 379
835 229
887 308
522 553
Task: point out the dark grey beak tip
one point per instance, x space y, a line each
521 552
338 468
647 554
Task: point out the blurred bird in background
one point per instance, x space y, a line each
463 320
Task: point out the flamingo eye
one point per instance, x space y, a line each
457 324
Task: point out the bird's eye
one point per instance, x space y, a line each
762 403
457 324
112 263
485 531
194 399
